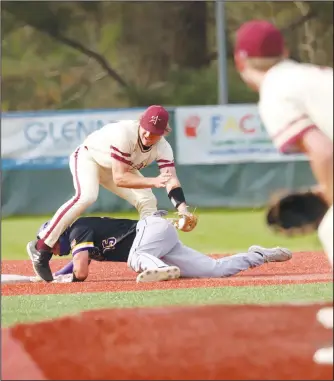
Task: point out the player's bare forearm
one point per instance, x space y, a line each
172 184
319 149
80 265
124 178
173 181
133 181
322 169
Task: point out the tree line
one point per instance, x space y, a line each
96 54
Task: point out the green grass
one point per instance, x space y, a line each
217 231
17 309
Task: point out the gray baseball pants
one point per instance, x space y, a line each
157 245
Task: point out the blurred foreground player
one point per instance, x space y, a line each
296 107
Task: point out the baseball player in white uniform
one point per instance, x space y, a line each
112 157
296 107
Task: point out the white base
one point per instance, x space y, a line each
12 279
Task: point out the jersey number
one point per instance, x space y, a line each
109 243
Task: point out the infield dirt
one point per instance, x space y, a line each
308 267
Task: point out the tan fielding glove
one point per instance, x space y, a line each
186 222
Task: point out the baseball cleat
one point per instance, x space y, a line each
159 274
40 261
276 254
324 356
325 317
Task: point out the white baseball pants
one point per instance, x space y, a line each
87 177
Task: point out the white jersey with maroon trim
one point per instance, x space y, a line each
121 141
294 98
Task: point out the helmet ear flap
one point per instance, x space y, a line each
42 227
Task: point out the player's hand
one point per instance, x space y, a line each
162 180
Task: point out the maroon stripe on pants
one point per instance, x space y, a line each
74 201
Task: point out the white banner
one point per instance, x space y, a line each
46 139
224 134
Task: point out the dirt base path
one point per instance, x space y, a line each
303 268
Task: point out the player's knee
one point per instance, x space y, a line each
87 199
146 206
80 275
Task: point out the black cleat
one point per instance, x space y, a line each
40 261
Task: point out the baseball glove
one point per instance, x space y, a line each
186 221
296 213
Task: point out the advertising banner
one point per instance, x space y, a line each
224 134
46 139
